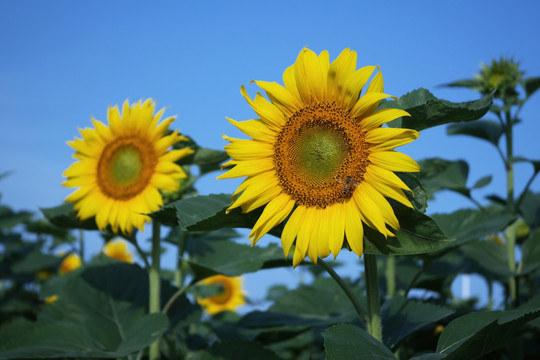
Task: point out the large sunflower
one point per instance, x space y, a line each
121 167
320 156
229 297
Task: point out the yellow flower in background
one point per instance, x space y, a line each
319 156
118 249
122 166
70 263
230 296
51 299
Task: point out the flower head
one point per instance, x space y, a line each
502 76
320 157
118 249
229 297
121 167
70 263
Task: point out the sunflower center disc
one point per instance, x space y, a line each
224 295
125 167
320 155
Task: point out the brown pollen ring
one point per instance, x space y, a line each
320 155
105 169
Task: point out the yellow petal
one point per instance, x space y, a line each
354 85
369 210
291 229
389 138
248 149
309 76
249 168
336 227
280 97
366 102
394 161
255 129
269 113
354 228
382 117
274 213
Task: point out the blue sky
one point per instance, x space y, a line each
63 61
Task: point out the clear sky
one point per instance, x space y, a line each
63 61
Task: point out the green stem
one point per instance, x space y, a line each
81 244
155 283
390 276
179 273
520 199
354 300
176 295
141 253
511 234
372 290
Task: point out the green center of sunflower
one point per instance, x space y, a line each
321 155
125 167
319 151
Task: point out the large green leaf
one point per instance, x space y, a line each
428 111
483 129
10 218
468 224
64 216
237 349
402 317
322 299
476 334
210 257
346 341
530 250
488 256
100 313
473 84
531 85
418 234
35 261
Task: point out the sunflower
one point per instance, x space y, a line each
121 167
229 297
320 157
70 263
118 249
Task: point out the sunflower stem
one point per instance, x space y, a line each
390 276
155 284
81 244
348 291
374 326
179 273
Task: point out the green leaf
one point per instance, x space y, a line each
530 251
439 174
420 198
210 257
531 85
235 349
36 261
346 341
468 224
431 356
188 212
322 299
65 217
402 317
418 234
489 256
428 111
530 209
10 218
207 159
483 129
476 334
100 312
482 182
473 84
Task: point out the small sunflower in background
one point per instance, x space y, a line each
70 263
118 249
121 167
319 156
229 297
